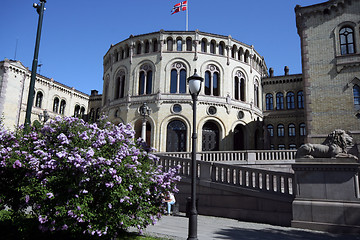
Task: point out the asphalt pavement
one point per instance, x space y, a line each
176 227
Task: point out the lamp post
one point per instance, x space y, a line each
40 10
194 82
144 111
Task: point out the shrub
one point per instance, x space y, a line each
79 177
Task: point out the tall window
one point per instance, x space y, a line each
56 105
188 44
169 44
212 46
281 147
155 45
356 91
280 130
62 107
279 101
300 99
256 94
346 40
302 129
147 46
221 48
77 111
138 48
292 146
290 100
179 45
212 81
269 101
145 80
82 112
119 84
178 78
270 129
233 51
203 45
292 131
39 98
176 136
239 86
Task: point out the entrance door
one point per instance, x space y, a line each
239 138
176 137
210 137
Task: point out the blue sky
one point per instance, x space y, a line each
77 34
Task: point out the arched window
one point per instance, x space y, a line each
300 99
233 51
179 45
302 130
280 130
77 111
212 46
155 45
56 105
122 53
145 80
356 91
138 48
210 137
269 101
147 46
169 44
239 86
178 78
290 100
270 129
240 54
119 84
176 136
212 81
82 112
292 131
281 147
204 45
106 89
279 101
188 44
247 53
221 48
346 35
39 98
256 94
62 107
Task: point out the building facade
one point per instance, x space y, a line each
284 115
153 69
50 96
330 49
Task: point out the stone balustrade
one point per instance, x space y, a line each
262 180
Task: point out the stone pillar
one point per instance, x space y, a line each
143 129
327 195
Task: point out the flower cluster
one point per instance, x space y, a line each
80 177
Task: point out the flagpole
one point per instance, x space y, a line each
187 16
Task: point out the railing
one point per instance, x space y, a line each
242 157
261 180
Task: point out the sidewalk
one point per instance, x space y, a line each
176 227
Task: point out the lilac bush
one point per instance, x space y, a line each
78 177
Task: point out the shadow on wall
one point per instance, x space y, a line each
276 234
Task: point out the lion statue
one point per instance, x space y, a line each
334 146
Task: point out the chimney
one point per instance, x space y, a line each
286 70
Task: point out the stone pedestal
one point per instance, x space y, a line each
327 195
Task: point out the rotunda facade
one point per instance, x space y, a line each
153 69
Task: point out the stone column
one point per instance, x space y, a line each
327 195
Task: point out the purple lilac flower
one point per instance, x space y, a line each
62 137
42 219
50 195
17 164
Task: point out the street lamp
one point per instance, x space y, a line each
40 10
194 82
45 114
144 111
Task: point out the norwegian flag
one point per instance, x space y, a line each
182 6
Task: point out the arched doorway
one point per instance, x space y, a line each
239 138
210 137
176 136
138 130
